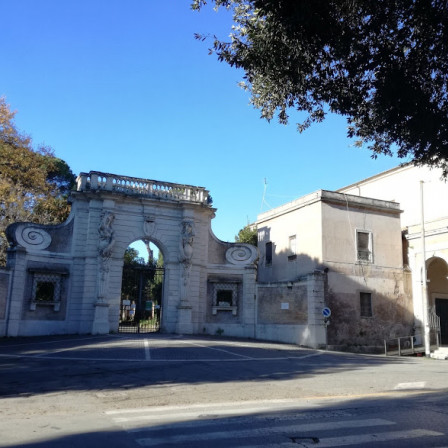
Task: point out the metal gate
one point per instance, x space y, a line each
141 299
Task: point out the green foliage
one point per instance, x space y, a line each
34 184
247 235
141 280
383 64
131 257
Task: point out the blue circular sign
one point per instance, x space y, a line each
326 312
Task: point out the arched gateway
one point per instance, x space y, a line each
66 279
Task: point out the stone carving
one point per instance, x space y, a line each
186 243
149 225
106 233
242 254
186 253
33 237
105 246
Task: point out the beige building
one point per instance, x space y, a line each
355 242
422 194
365 241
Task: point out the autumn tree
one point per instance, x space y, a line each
382 64
34 184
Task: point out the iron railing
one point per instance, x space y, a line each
411 345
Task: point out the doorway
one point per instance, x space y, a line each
442 312
141 292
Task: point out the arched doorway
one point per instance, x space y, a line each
141 288
438 293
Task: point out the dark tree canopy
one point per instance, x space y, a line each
383 64
34 184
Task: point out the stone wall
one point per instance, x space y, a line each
292 311
283 304
392 309
67 278
4 284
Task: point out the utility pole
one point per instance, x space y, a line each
424 278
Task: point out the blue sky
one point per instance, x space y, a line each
123 87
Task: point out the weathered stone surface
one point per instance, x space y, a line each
78 264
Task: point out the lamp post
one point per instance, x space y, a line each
424 277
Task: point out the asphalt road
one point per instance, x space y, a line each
166 391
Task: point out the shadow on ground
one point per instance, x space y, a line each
30 366
423 416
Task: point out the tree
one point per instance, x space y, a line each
34 184
382 64
247 235
131 257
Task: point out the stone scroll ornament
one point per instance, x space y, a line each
186 253
105 246
32 237
241 254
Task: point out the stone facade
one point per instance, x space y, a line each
354 244
4 285
375 253
67 278
421 192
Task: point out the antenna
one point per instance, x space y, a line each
263 201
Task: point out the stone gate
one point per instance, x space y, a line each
66 279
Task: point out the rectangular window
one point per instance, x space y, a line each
268 253
224 297
292 245
292 248
364 246
366 304
47 289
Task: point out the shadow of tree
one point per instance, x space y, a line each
305 422
31 366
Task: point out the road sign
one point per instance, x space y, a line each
326 312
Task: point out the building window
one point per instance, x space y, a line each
365 299
292 248
364 246
268 253
45 291
47 288
225 297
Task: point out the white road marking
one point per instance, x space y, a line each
357 440
259 404
377 437
407 386
264 431
147 350
217 349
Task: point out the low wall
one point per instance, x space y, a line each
4 288
291 311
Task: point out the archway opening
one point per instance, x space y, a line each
141 288
438 295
